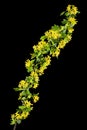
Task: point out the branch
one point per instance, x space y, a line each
14 128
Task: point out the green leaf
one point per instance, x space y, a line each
30 69
55 27
29 109
43 37
16 89
62 13
28 92
78 12
37 59
32 55
18 121
21 107
39 53
64 21
67 14
32 61
13 122
19 89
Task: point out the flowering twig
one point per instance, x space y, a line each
49 46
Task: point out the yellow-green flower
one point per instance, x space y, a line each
48 60
12 116
24 114
39 46
35 98
35 75
35 47
56 52
35 85
62 44
70 30
41 70
20 96
23 84
72 20
72 9
68 37
27 103
36 79
17 116
27 63
43 67
52 34
68 8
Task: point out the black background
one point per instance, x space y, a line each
62 88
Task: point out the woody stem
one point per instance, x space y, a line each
14 128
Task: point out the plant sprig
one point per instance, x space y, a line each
49 46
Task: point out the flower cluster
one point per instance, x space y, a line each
23 84
52 34
43 66
72 9
40 46
49 46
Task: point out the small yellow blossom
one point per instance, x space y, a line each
52 34
72 20
24 114
72 9
27 103
12 116
70 30
68 8
18 116
20 96
41 70
56 53
36 79
35 98
35 47
40 45
35 75
48 60
27 63
23 84
35 85
62 44
69 37
45 64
